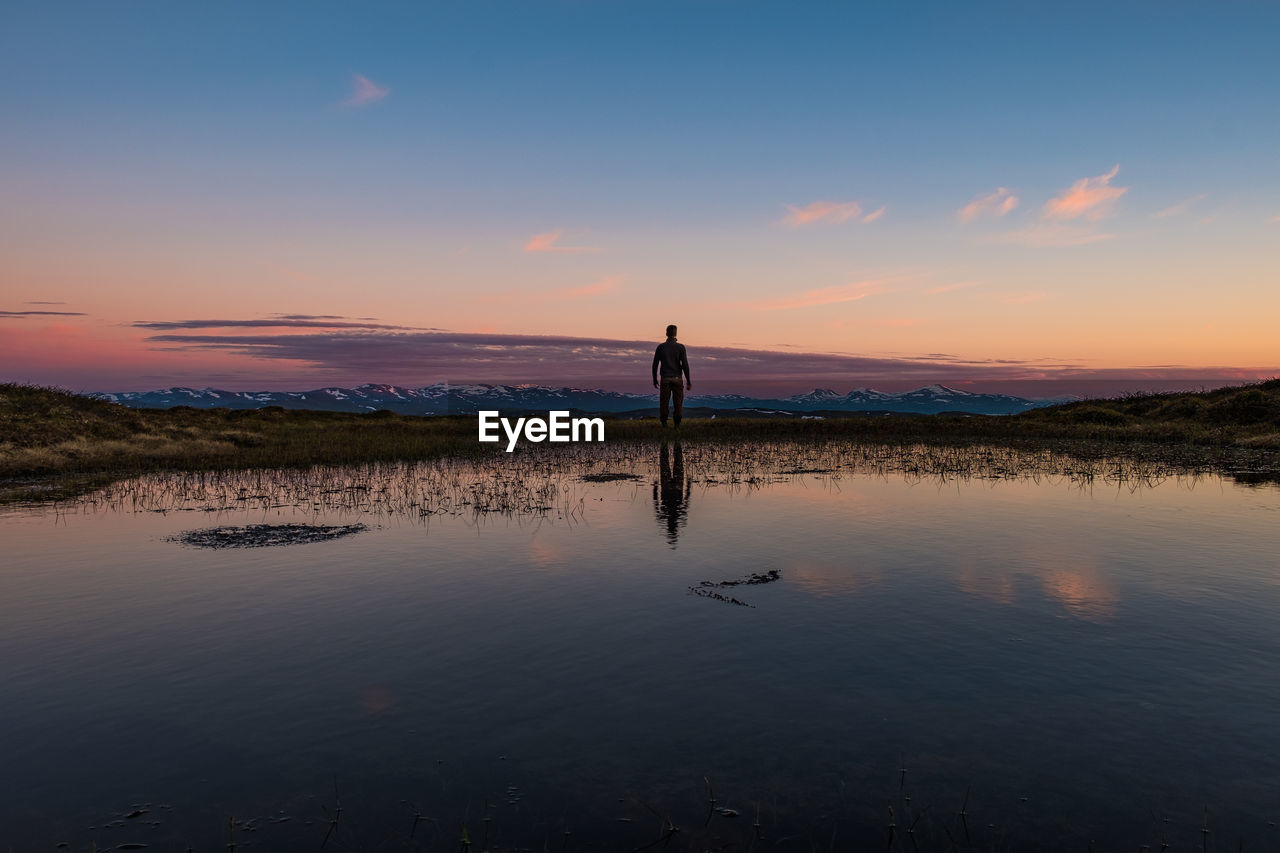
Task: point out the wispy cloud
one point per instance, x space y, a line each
1088 198
995 204
41 302
1276 218
1048 234
608 284
1179 208
284 321
947 288
42 313
875 214
425 357
364 92
409 357
547 243
822 211
823 296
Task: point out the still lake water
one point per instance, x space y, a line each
1063 651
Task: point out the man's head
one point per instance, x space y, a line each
671 331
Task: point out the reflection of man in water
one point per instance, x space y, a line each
672 360
671 493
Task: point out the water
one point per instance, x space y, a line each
1063 651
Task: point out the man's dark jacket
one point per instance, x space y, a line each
670 357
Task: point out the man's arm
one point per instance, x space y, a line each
684 365
657 356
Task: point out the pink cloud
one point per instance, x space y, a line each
823 296
821 211
995 204
364 92
1050 234
875 214
547 243
608 284
1179 208
264 359
1088 198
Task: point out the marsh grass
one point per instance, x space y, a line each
560 483
47 434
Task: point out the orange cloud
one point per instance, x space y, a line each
875 214
822 211
364 92
995 204
547 243
1088 198
824 296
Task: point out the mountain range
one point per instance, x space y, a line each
444 398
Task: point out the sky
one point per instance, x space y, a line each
1035 198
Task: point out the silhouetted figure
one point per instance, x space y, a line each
671 493
669 361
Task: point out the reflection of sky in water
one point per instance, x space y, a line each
1104 650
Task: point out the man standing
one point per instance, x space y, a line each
671 358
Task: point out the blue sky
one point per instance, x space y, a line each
169 153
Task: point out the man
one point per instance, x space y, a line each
671 358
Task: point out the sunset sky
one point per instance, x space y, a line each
1036 198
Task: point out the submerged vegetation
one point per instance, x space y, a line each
265 535
562 483
47 432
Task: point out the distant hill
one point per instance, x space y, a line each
50 431
443 399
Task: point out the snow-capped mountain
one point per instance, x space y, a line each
443 398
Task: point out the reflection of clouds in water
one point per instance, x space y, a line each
985 582
545 554
1083 591
377 699
1074 581
822 579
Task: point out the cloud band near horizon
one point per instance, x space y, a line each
425 357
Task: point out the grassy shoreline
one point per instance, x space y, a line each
48 433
